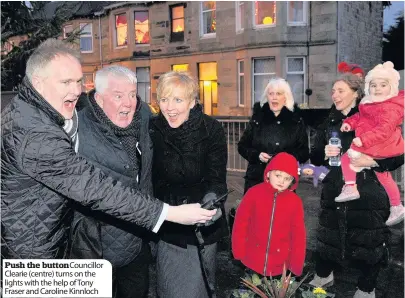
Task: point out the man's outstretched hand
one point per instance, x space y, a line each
189 214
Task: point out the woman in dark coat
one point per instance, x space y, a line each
189 162
351 232
275 127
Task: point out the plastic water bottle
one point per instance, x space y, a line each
335 141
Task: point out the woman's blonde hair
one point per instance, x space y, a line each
173 79
279 84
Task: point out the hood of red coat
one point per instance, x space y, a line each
283 162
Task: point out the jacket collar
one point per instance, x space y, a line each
337 116
28 94
264 114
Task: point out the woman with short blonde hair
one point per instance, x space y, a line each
189 165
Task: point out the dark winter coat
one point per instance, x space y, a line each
93 234
270 134
40 171
352 230
186 166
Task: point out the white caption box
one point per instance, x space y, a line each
57 278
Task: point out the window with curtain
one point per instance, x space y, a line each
296 13
296 78
263 70
141 19
121 30
177 23
241 82
208 17
86 37
240 15
143 85
264 13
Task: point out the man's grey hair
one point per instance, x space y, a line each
46 52
117 71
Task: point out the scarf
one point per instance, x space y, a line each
70 127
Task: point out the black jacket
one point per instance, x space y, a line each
353 230
185 174
93 234
267 133
40 171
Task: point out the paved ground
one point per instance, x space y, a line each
391 279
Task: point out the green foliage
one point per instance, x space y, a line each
35 23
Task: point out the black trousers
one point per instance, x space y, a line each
132 280
367 280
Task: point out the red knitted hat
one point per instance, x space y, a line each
284 162
344 67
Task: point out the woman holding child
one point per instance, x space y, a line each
351 231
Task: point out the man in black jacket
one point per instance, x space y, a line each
41 172
114 135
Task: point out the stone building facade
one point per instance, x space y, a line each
233 48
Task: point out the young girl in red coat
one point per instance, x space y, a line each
269 229
378 134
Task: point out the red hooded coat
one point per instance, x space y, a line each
283 241
378 127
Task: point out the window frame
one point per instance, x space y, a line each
239 85
116 46
141 44
253 74
304 11
64 31
239 25
202 34
262 26
87 35
150 86
177 36
304 72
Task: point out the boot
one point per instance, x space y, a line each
349 193
396 215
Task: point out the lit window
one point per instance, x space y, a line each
208 18
180 67
264 13
143 85
296 13
86 38
88 82
240 15
177 23
141 27
67 30
296 78
121 30
208 87
241 82
263 70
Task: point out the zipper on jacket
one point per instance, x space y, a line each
270 231
344 231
